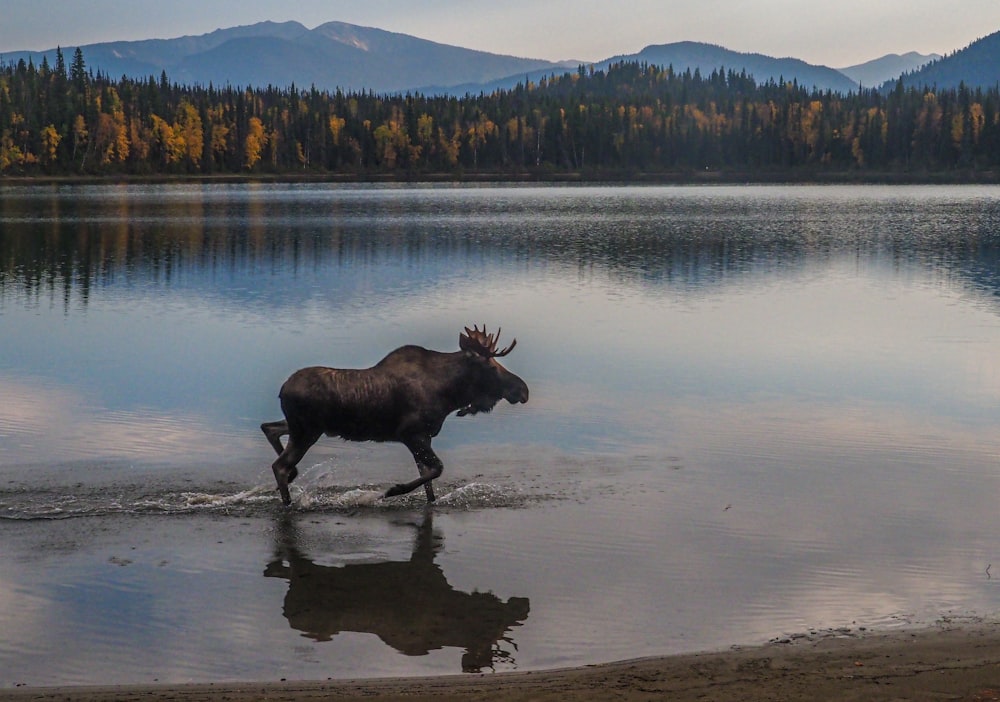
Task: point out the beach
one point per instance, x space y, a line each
945 662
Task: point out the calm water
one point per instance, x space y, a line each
754 411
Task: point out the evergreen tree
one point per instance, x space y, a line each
78 70
61 62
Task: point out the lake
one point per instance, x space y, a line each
755 412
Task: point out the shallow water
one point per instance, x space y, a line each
754 410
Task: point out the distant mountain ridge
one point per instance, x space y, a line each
977 66
337 55
330 56
873 74
691 55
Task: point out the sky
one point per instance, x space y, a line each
836 34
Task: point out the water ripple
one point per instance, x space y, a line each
50 504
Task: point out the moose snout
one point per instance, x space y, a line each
517 393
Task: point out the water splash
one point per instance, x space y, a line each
476 495
462 497
49 503
255 495
317 499
235 500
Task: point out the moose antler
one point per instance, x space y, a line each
478 341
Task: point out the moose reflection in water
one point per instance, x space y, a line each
408 604
405 397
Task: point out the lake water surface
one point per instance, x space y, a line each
754 411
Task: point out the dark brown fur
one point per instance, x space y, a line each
405 397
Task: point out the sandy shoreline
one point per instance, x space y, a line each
947 662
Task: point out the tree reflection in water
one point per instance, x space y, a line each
408 604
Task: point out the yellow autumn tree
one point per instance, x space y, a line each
957 129
811 116
138 137
165 138
450 144
110 139
392 141
477 134
336 128
385 143
188 129
80 135
425 135
977 120
253 145
104 138
10 154
50 144
218 131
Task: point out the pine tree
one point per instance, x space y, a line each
78 70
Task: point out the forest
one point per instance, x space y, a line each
631 121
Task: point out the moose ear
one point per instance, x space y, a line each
472 340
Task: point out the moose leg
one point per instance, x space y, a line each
428 464
428 486
274 431
284 468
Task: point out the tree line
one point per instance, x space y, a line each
628 120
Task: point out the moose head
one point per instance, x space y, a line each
496 381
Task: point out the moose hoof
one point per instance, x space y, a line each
283 476
396 490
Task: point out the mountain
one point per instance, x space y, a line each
353 58
691 55
977 65
333 55
708 57
873 74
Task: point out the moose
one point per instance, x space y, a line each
405 397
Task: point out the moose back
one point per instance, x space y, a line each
405 397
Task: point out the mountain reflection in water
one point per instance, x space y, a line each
410 605
226 242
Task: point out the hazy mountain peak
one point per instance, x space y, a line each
349 34
691 55
331 56
267 28
889 67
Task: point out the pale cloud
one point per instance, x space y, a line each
40 421
22 615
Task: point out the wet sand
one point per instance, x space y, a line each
947 662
